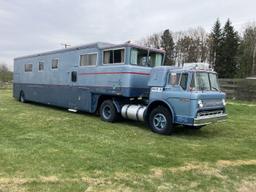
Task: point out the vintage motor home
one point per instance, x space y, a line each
121 80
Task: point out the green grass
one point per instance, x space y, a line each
49 149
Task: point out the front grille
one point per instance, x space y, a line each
212 103
206 113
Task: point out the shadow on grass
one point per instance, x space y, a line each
179 130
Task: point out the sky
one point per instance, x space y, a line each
34 26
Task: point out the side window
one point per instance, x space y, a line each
174 78
113 56
139 57
55 63
184 80
40 66
88 59
28 67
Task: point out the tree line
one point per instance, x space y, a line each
5 73
230 54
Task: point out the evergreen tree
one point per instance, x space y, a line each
168 45
215 40
228 64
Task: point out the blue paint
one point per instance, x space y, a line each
183 104
54 87
122 83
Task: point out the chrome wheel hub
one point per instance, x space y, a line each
159 121
106 112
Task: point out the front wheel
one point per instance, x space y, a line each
160 121
108 111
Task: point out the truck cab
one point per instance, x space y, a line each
189 96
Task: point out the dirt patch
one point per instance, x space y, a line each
227 163
156 172
247 185
16 181
201 168
95 181
49 179
13 185
120 188
187 167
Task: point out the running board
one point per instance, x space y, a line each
72 110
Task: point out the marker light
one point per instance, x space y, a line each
224 102
200 104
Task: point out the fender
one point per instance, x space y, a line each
161 101
117 105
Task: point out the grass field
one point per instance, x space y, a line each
49 149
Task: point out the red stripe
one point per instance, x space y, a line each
115 73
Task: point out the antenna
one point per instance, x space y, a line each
65 45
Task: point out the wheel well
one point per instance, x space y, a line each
156 104
101 99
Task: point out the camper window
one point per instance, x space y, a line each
114 56
146 58
139 57
88 59
155 59
28 67
40 66
55 63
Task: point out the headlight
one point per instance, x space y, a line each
200 104
224 102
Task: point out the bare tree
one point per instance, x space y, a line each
153 41
191 46
247 50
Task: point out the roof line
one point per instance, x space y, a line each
99 45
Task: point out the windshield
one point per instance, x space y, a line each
203 81
145 58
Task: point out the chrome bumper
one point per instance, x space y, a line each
204 120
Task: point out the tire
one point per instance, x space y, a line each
160 121
108 111
22 97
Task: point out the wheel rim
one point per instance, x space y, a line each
106 112
159 121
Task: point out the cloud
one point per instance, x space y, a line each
29 26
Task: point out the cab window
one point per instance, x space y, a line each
180 79
184 81
174 79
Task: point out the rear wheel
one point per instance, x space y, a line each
22 97
160 121
108 111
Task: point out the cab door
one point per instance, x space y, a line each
178 94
